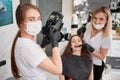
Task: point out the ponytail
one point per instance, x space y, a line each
14 68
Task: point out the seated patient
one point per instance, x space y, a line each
77 63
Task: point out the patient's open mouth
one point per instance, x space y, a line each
78 46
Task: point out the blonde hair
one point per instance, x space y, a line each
105 10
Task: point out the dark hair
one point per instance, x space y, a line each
20 17
68 50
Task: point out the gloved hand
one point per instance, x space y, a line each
81 30
55 36
67 36
88 48
45 41
61 37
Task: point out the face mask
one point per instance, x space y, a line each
33 28
98 26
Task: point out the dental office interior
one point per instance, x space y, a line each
66 7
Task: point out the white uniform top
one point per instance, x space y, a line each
97 42
28 55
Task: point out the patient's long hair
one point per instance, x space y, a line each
68 50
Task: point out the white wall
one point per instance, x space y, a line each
67 12
7 34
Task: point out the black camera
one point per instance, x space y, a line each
54 18
55 22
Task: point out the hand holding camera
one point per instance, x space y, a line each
51 30
55 36
45 41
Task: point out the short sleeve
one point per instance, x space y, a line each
33 55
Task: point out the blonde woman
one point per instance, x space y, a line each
98 35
